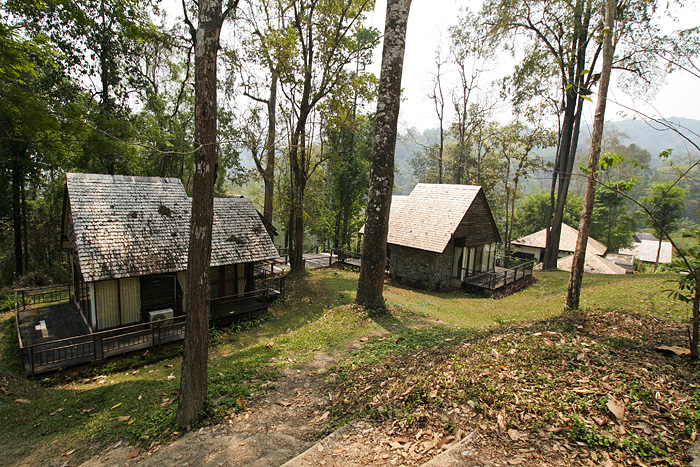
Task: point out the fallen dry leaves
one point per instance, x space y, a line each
584 389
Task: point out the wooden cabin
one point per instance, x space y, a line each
127 239
440 235
532 247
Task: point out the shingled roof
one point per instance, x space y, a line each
123 226
567 242
428 217
396 203
592 263
649 248
239 235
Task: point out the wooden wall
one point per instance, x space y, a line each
478 226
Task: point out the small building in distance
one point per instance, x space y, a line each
128 239
645 248
533 246
441 234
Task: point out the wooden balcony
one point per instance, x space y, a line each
53 334
500 277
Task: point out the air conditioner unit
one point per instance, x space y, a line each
161 315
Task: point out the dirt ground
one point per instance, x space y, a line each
273 429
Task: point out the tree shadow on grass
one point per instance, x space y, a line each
387 320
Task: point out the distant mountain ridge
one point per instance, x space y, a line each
654 137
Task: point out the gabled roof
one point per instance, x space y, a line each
123 226
569 236
428 217
592 263
639 236
649 248
239 235
396 203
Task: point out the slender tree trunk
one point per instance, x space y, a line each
25 231
440 155
269 175
17 176
509 233
297 163
553 230
297 259
568 142
695 324
554 236
371 283
658 253
573 292
193 382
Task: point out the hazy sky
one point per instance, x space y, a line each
429 21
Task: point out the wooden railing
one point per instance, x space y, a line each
352 258
275 286
47 356
248 302
493 280
42 295
56 354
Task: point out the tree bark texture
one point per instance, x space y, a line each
299 169
573 292
193 382
371 283
269 175
17 176
695 323
568 141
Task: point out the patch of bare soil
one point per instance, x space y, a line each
585 389
271 430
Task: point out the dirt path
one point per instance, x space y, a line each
272 430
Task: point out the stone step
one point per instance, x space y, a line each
326 451
459 455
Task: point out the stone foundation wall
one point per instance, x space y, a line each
422 269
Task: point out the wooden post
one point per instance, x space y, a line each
31 360
99 338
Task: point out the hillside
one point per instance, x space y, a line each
656 138
652 137
511 375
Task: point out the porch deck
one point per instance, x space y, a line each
500 277
44 323
55 336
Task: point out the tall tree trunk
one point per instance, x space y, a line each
573 292
371 283
25 231
296 260
658 254
571 126
695 322
193 382
297 163
553 227
17 176
269 175
554 234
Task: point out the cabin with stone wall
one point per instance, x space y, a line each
440 235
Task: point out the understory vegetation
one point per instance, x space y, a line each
515 368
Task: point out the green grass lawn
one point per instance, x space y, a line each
134 398
638 293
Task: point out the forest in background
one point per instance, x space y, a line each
107 87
